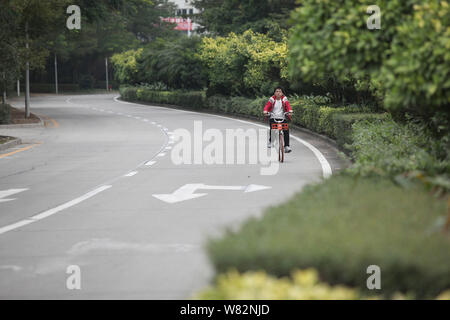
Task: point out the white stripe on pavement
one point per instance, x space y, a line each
326 168
53 211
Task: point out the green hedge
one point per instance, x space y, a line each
390 148
5 113
191 99
312 113
343 126
342 226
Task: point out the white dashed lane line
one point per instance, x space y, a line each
132 173
89 194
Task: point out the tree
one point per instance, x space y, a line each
36 19
248 64
406 63
9 51
264 16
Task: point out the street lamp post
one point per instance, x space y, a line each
107 83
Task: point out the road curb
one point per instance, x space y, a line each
10 144
41 123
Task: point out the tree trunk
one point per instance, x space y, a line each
107 83
56 75
4 88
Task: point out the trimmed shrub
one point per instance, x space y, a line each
5 113
189 99
128 93
311 112
342 226
302 285
343 126
390 148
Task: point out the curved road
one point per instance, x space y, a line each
98 188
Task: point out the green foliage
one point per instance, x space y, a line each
174 63
9 46
128 93
258 285
390 148
126 66
343 126
5 113
342 226
406 63
311 112
263 16
416 75
246 65
193 99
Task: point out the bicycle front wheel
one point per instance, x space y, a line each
281 147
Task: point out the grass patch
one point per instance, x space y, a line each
342 226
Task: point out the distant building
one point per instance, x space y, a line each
185 8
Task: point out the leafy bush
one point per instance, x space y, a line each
190 99
244 65
335 122
302 285
126 66
5 113
343 126
342 226
175 63
406 63
390 148
155 86
128 93
416 73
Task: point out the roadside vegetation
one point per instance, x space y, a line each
382 95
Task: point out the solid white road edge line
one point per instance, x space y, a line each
326 168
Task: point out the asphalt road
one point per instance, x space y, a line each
97 188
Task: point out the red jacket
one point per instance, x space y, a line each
286 106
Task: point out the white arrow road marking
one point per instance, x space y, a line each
186 192
9 192
53 211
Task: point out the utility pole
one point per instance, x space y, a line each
27 77
107 83
56 74
189 26
4 89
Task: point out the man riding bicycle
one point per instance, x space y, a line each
278 106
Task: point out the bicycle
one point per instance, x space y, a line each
278 128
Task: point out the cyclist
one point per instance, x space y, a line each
278 105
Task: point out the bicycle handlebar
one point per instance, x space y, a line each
275 120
